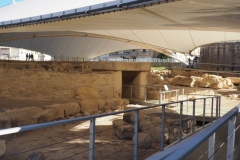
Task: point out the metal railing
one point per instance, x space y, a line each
192 143
93 131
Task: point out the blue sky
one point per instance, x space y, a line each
6 2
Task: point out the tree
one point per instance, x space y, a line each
162 56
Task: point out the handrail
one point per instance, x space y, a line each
191 143
59 122
92 120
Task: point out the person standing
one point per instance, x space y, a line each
27 57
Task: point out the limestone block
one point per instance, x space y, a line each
129 116
144 141
58 110
184 81
173 125
234 80
125 132
101 104
89 106
218 85
21 117
201 84
170 80
44 115
229 82
114 102
2 147
196 78
155 133
210 80
125 101
84 93
122 129
214 76
71 108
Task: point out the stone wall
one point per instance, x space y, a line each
226 54
51 84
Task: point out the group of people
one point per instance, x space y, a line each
29 57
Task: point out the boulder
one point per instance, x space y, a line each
210 80
71 108
229 82
21 117
129 116
183 81
218 85
2 147
101 104
125 102
155 133
234 80
144 141
84 93
89 106
201 84
122 129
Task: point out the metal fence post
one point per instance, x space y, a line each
211 144
212 111
217 107
136 123
92 139
160 96
162 138
231 138
181 112
204 110
193 123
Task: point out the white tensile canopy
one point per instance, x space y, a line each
95 30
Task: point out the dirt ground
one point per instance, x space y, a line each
71 141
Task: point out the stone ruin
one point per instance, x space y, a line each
157 80
88 102
149 126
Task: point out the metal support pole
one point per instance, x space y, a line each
204 110
238 154
160 97
217 107
193 121
92 139
231 138
180 129
212 111
211 144
162 138
131 92
136 123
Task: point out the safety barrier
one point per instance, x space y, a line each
95 141
187 147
